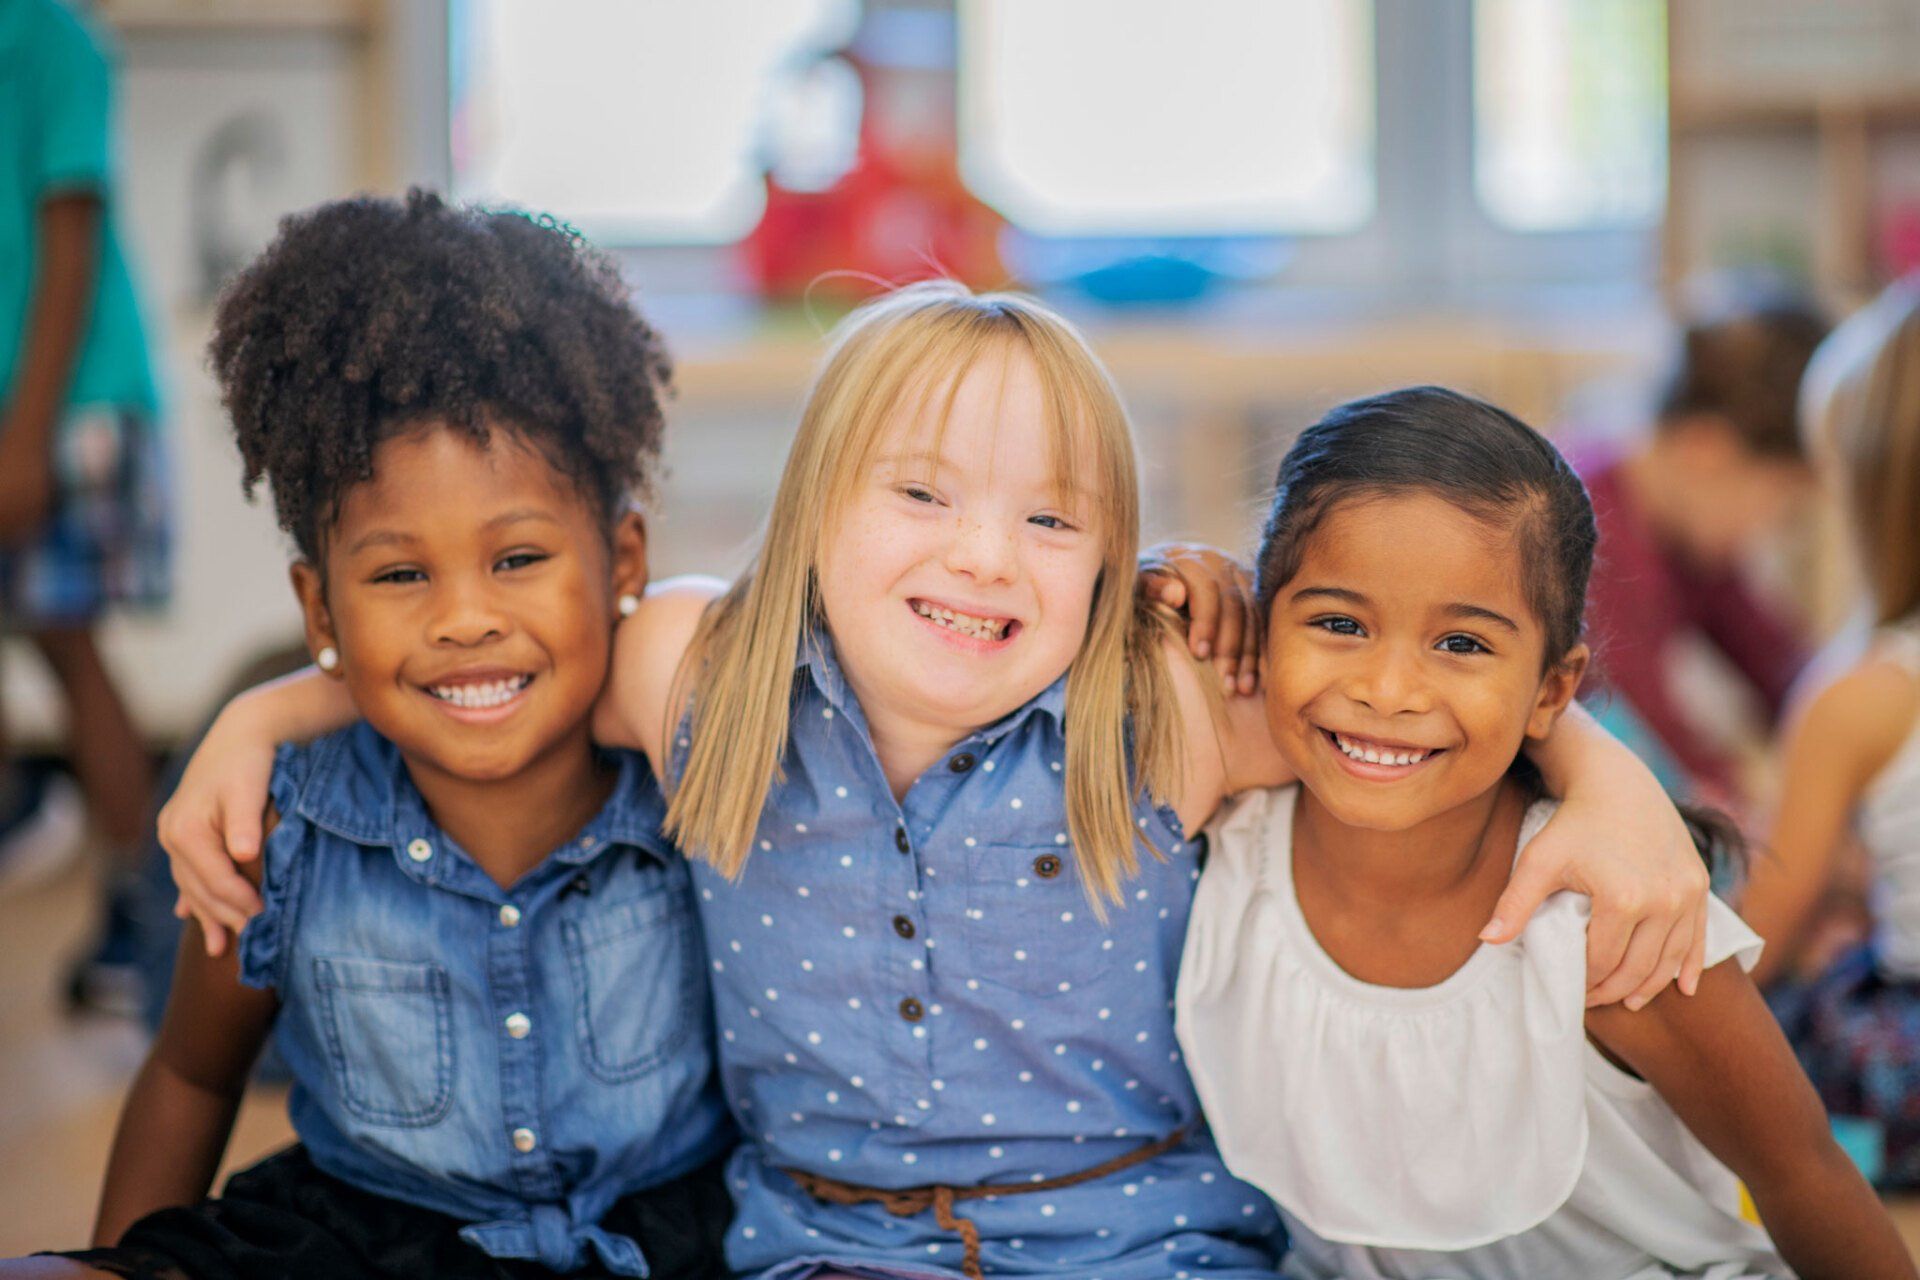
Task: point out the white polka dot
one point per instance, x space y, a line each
1018 1024
772 994
826 713
813 1037
841 792
1059 837
856 1081
1179 1219
834 1154
846 859
1105 1014
767 921
969 842
804 892
801 827
988 766
973 984
909 1158
1074 1106
748 1232
938 1085
919 1033
706 895
1120 1132
719 967
1206 1177
853 1002
1246 1211
1140 895
1021 882
1132 1189
1142 1037
847 931
1139 966
1014 803
933 1248
1019 954
1106 944
766 844
735 944
752 1012
996 1152
1066 986
833 1095
807 965
1026 1077
988 1118
793 1060
1059 1049
923 1104
980 1044
1047 1211
1098 1064
1066 917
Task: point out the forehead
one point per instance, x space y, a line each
437 478
1000 413
1416 551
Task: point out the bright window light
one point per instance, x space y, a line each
1207 117
1570 112
637 122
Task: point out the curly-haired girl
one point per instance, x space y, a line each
479 955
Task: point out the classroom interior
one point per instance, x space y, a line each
1257 211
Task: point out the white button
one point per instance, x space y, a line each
509 915
419 850
518 1025
523 1140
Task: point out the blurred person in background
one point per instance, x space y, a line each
83 521
1851 759
1680 513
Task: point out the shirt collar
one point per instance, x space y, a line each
358 788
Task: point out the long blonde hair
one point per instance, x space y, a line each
1862 405
1121 724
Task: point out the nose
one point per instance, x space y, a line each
1387 680
466 614
981 550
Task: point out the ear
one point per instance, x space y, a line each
629 554
1557 688
311 589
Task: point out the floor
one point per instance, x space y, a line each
61 1081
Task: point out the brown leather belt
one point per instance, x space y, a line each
905 1202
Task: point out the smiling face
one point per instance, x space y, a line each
958 578
1404 664
470 593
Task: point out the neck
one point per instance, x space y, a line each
509 825
1653 481
907 748
1432 860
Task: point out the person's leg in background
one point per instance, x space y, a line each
116 776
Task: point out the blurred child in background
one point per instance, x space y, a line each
1680 512
1851 753
83 521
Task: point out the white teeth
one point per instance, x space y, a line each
965 623
1375 755
492 693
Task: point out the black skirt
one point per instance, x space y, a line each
283 1219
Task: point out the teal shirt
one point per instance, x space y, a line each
55 99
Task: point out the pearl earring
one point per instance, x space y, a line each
328 658
628 604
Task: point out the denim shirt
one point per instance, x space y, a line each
519 1058
920 993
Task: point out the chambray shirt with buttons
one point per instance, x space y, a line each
919 993
518 1058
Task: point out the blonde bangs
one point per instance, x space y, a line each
913 349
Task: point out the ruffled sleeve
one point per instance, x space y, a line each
266 942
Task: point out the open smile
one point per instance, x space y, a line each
480 695
1374 758
986 629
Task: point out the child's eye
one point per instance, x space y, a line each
917 493
1049 522
520 560
402 575
1463 645
1339 625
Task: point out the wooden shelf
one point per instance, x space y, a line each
340 17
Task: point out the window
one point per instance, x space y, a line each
640 123
1570 112
1139 117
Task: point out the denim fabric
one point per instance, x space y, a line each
920 992
518 1058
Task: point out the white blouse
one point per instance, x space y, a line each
1464 1129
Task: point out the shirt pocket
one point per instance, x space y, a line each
389 1038
1029 925
637 985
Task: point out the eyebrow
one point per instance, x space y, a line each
944 462
397 538
1459 610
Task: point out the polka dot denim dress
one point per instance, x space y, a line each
919 993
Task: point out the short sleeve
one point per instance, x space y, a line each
72 93
266 942
1729 937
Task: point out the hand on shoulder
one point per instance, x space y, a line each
648 646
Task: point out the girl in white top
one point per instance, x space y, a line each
1851 751
1419 1104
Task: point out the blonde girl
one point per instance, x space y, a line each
937 767
1851 753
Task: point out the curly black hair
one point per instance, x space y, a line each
367 316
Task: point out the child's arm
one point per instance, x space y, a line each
635 710
1618 839
1721 1063
67 228
1831 750
214 817
179 1113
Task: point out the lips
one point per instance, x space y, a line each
1398 757
990 628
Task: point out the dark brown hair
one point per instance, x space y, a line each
367 316
1744 366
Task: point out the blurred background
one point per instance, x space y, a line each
1256 209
